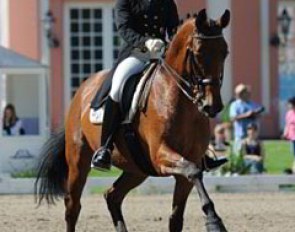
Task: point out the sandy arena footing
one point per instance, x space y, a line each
269 212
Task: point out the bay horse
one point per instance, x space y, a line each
173 130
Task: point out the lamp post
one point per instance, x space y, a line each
48 23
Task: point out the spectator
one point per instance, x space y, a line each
219 144
243 111
226 120
12 125
217 149
253 150
289 131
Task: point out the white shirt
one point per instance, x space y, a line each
15 129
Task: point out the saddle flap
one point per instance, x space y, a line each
134 93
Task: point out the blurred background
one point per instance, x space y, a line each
49 47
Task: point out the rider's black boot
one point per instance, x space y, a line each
101 159
210 163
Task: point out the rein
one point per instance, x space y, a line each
178 78
193 89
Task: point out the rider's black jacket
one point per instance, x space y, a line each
139 20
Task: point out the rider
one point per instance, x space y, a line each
143 25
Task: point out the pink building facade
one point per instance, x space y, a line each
88 43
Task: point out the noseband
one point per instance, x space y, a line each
193 84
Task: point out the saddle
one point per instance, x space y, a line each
133 95
133 99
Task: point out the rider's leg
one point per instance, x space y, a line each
111 120
125 69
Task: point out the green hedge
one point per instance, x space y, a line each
278 158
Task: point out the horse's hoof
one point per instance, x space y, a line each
215 226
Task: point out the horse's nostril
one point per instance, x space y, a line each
212 115
206 108
209 111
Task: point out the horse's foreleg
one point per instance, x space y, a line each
116 194
173 163
195 175
79 167
213 221
182 189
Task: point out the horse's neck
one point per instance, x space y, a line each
183 125
177 106
180 116
172 118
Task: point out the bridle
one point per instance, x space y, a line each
193 84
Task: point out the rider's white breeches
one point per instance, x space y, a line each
125 69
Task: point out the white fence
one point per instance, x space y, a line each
154 185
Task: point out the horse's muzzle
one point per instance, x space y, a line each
211 111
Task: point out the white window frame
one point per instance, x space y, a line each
107 31
41 75
4 23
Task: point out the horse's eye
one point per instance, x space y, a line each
200 52
207 60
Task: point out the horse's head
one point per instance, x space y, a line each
208 51
204 50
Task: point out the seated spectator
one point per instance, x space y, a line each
253 150
219 144
226 120
11 125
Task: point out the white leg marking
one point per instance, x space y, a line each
186 168
121 227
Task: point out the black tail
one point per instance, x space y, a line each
52 170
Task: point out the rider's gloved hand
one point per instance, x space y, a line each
155 47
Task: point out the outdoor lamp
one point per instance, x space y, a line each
48 23
285 22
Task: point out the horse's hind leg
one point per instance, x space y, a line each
116 194
182 189
79 166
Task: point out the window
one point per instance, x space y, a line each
20 106
89 48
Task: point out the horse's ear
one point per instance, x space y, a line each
225 19
201 19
